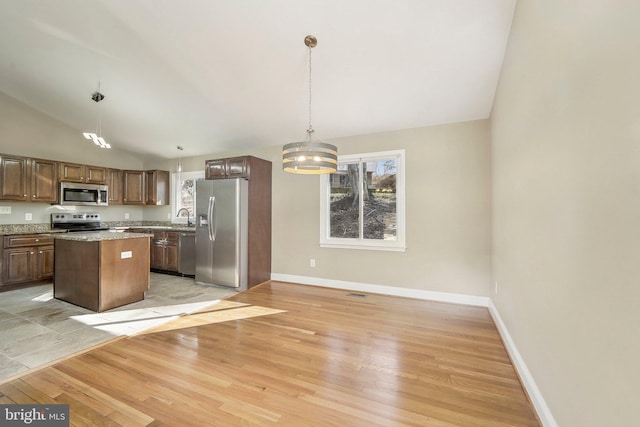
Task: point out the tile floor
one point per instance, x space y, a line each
36 329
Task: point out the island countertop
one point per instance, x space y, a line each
96 236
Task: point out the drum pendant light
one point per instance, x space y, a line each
313 156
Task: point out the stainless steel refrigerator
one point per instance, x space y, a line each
221 232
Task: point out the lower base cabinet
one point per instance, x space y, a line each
164 250
26 258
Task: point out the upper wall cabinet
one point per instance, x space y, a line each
133 187
233 167
145 187
36 180
115 186
157 187
73 172
44 181
15 180
24 179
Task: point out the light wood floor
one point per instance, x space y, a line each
284 354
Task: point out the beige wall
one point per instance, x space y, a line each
448 203
448 213
566 204
25 131
28 132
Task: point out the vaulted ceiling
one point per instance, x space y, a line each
216 75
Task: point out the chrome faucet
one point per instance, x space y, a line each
188 216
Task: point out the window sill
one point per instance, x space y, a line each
367 247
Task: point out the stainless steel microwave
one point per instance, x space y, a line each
72 193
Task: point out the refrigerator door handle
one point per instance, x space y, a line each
210 225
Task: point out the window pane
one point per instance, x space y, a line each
379 196
344 209
187 190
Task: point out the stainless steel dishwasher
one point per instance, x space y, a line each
187 251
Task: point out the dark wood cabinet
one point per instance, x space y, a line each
232 167
25 179
71 172
115 186
145 187
45 262
157 187
74 172
164 250
36 180
44 181
258 173
14 176
26 258
133 187
95 175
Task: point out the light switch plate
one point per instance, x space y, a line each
28 216
5 210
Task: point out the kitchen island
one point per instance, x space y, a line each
101 270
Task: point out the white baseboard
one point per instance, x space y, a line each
544 413
385 290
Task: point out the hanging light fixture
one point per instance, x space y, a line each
179 165
312 156
97 137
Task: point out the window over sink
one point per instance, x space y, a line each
184 195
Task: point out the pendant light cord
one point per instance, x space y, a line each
99 124
310 127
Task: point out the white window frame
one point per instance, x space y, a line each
397 245
175 206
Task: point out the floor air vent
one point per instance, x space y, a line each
353 294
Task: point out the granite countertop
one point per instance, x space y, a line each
8 230
96 236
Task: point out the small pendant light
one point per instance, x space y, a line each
97 137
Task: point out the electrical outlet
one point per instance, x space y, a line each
169 215
126 215
495 287
28 216
312 262
5 210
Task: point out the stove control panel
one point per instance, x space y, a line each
75 217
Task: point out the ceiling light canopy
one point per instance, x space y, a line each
310 157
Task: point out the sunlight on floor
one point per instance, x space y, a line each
216 315
47 296
130 322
